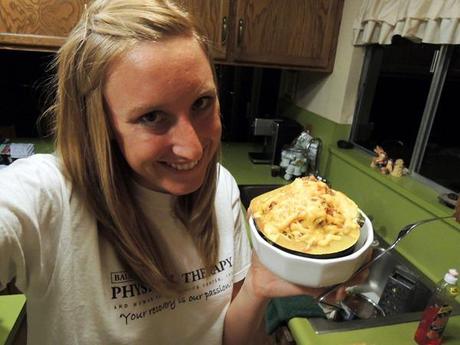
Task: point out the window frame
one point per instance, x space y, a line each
439 67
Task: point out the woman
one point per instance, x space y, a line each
132 233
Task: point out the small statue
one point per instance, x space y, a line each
386 165
381 159
398 169
388 168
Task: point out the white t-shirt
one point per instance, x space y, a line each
77 290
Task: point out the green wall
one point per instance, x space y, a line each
392 202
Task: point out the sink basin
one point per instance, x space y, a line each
250 191
394 284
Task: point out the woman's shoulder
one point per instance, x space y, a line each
224 176
226 184
37 163
42 170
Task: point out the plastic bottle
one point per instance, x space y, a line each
437 312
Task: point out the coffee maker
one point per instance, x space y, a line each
277 133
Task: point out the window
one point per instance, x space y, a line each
409 104
23 91
244 94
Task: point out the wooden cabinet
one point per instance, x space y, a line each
300 33
214 17
289 33
40 25
278 33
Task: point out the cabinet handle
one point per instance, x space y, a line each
224 31
240 31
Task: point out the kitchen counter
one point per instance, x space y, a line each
10 310
401 334
235 158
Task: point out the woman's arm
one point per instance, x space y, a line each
245 316
31 210
246 312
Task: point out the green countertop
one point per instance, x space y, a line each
401 334
10 309
41 145
234 156
236 159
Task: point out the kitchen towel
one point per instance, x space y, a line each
281 310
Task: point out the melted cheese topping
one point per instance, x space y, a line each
307 216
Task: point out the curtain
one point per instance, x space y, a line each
427 21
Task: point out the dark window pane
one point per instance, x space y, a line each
23 89
393 100
246 93
441 162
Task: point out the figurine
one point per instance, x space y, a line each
398 169
381 159
388 168
386 165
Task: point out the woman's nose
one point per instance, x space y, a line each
186 141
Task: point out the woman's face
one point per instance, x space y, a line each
163 104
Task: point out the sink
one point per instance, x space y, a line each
250 191
393 283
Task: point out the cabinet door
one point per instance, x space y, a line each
213 16
37 24
297 33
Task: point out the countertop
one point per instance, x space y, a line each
10 309
400 334
236 159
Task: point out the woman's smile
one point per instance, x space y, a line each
183 166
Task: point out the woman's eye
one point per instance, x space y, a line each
154 118
202 103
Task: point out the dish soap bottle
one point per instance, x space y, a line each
437 312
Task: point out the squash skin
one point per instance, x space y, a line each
329 222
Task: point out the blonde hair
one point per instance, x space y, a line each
92 159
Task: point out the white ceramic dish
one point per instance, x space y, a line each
311 272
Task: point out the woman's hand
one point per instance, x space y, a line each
246 312
262 283
244 319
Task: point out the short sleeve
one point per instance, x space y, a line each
241 244
30 211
